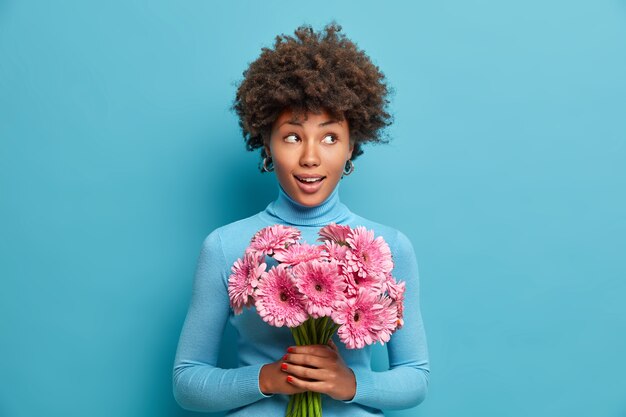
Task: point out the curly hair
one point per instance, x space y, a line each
310 72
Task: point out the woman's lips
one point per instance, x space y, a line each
309 183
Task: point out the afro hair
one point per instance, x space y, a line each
311 72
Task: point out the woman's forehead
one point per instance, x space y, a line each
298 117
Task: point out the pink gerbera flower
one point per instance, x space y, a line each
396 292
335 233
298 253
368 256
278 300
272 238
357 283
365 319
394 289
334 251
321 286
388 318
244 279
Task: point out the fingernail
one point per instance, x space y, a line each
285 357
289 379
283 366
290 349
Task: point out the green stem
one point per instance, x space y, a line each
292 399
304 337
327 329
313 335
319 329
298 403
317 406
303 334
296 336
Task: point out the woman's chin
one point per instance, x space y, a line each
309 198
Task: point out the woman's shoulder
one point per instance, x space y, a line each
234 237
240 227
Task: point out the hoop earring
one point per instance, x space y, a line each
349 168
268 166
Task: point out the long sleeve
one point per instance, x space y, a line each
198 384
405 384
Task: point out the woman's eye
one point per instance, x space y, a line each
291 138
329 139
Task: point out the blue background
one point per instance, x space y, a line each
119 154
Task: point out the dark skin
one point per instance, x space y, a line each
317 368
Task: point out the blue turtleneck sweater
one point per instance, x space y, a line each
201 386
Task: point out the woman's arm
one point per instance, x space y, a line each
198 384
405 384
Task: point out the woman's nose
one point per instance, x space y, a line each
310 154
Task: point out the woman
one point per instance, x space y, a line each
309 104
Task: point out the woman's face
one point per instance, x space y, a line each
309 154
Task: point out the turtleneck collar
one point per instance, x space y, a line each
289 211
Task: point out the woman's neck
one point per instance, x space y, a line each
289 211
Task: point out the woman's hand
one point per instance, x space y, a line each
319 368
272 380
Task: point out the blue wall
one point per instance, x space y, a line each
119 154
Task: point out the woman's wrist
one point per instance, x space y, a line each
265 380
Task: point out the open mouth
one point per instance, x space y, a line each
309 180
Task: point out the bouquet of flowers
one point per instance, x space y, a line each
342 285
